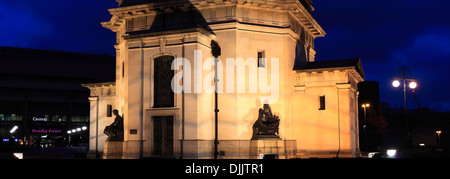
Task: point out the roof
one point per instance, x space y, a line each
137 2
352 63
101 84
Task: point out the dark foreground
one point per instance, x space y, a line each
82 153
49 153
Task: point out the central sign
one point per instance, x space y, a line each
45 131
40 119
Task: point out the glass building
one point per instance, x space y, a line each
41 97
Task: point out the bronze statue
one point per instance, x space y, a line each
115 130
267 124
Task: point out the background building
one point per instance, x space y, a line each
41 94
386 125
429 131
370 136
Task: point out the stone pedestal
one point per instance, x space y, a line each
113 150
266 137
283 149
92 154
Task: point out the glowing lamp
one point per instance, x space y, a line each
413 85
391 152
396 83
13 129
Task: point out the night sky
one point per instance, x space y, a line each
384 34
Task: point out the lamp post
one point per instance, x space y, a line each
215 51
404 74
438 137
365 123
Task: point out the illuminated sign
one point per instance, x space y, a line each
45 131
40 119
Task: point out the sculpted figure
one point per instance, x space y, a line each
267 124
115 130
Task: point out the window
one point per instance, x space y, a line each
59 118
261 59
80 118
129 23
322 102
11 117
108 110
123 69
163 95
140 22
15 117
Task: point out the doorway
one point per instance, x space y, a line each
163 135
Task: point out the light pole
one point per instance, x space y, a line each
365 123
438 137
405 74
216 51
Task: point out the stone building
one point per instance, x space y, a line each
315 101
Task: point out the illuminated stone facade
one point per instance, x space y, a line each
150 31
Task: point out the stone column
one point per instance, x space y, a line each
93 128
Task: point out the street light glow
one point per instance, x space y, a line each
13 129
396 83
413 85
391 152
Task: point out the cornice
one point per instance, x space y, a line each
293 7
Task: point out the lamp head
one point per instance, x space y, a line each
413 85
396 83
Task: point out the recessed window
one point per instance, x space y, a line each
123 69
108 110
322 102
261 59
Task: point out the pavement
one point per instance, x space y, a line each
49 153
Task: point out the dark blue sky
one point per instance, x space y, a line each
384 34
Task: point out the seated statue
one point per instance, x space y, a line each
267 124
115 130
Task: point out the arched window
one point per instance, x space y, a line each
162 93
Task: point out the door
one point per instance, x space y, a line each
163 135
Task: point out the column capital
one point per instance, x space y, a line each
93 98
343 85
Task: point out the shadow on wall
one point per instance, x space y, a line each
301 54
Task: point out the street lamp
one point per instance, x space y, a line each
413 85
365 122
396 83
439 137
405 74
216 51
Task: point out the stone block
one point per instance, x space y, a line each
113 150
